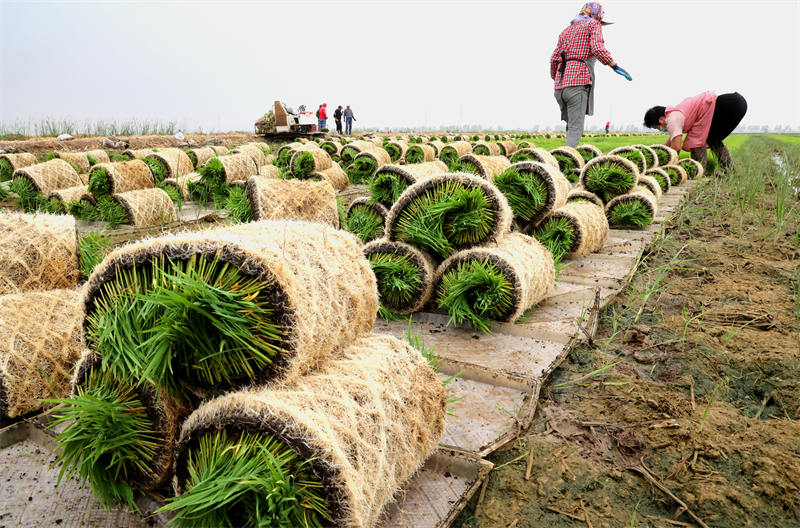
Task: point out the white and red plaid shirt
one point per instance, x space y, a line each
580 40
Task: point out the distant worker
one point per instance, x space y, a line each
572 68
348 120
337 116
706 119
323 116
608 126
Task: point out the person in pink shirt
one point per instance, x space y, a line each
706 119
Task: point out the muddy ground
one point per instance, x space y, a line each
691 387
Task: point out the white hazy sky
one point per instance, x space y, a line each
219 65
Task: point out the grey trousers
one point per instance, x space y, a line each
572 101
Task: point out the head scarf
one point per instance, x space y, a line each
590 10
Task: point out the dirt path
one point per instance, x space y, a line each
691 386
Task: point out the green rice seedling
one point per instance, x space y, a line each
113 156
608 180
248 479
200 191
663 182
197 321
84 210
284 156
690 168
475 292
585 153
397 276
93 247
386 188
415 155
158 168
446 217
50 156
487 137
482 150
29 198
213 172
303 165
238 203
523 155
4 192
174 194
220 195
663 156
496 137
192 157
465 166
362 169
92 161
449 157
109 437
349 154
675 176
112 211
6 171
330 149
365 222
52 205
648 156
394 150
525 191
635 155
567 166
99 184
557 234
630 213
443 139
342 210
475 138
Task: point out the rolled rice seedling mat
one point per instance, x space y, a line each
168 163
495 282
448 212
576 228
405 275
227 169
437 146
83 161
581 194
199 156
535 154
277 199
652 185
35 182
487 148
533 190
106 179
269 295
85 208
390 181
635 209
366 163
331 147
525 145
588 151
306 162
632 154
256 153
570 162
487 167
335 176
396 149
353 149
119 435
374 140
661 176
333 448
694 169
63 197
11 162
677 174
38 252
42 340
366 220
219 150
140 208
451 153
138 153
609 176
666 155
420 153
285 153
507 148
263 146
269 171
650 156
181 185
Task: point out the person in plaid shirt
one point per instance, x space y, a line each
572 68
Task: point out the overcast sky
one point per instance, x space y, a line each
219 65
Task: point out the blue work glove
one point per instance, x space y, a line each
623 72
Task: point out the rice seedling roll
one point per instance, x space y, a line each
507 148
168 163
581 194
588 151
181 184
366 219
419 153
448 212
227 169
405 275
137 153
650 156
199 156
331 147
35 182
390 181
334 175
574 229
42 339
495 282
526 145
487 167
487 148
535 154
106 179
353 149
219 150
69 195
11 162
83 161
632 154
451 153
652 185
255 152
609 176
437 146
278 199
366 163
139 208
306 162
396 149
694 169
677 174
635 209
569 160
331 448
666 155
532 189
268 302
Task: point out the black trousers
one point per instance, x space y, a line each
338 125
728 113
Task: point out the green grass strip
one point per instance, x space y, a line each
630 213
525 191
330 149
99 183
481 150
248 479
365 223
608 180
5 170
386 188
84 210
197 320
108 437
557 234
158 168
29 199
111 211
398 279
476 292
238 203
362 169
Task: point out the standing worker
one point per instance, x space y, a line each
572 68
608 126
706 119
337 117
323 116
348 120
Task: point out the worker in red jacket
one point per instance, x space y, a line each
323 116
572 68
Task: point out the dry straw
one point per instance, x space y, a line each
277 199
314 278
182 184
219 150
507 148
269 171
137 153
334 175
400 294
581 194
51 175
396 149
80 160
38 252
256 153
201 155
147 207
176 162
487 167
535 154
236 167
364 423
70 194
453 151
586 223
42 339
390 181
652 185
17 161
437 145
487 148
124 176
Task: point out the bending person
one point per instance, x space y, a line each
706 119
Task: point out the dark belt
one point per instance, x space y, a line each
564 61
